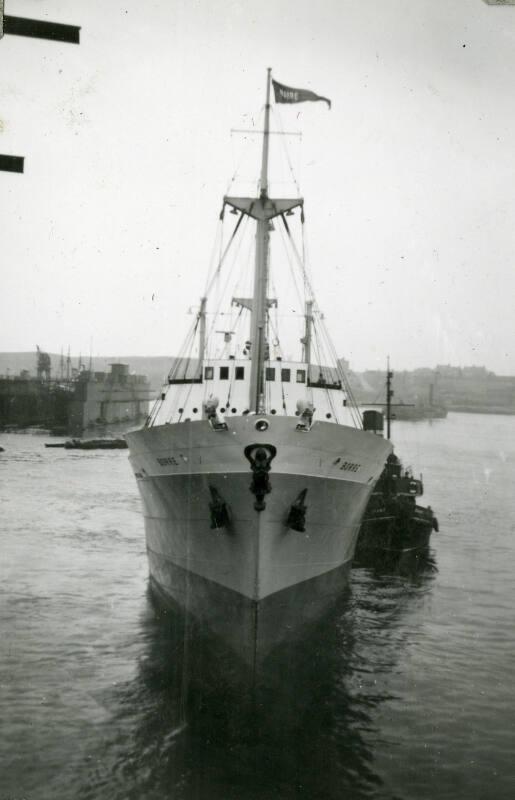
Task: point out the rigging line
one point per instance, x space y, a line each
275 333
233 371
308 283
224 254
343 378
153 411
353 407
218 239
218 313
331 355
190 350
255 115
282 386
277 117
243 286
243 154
319 353
181 399
304 249
292 271
177 400
184 361
216 248
376 398
273 319
177 360
221 299
300 262
268 386
176 365
332 406
319 347
274 310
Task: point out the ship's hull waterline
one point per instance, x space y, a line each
255 580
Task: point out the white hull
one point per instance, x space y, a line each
240 578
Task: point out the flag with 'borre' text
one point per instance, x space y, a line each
286 94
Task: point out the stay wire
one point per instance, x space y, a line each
278 118
354 408
232 377
224 254
319 347
355 413
223 292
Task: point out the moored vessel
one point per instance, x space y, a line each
393 520
254 467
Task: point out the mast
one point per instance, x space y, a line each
262 209
266 138
306 340
202 330
389 395
259 300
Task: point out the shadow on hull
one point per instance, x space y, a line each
251 630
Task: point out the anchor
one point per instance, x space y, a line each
297 516
260 457
218 509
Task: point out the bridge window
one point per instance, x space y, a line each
285 375
301 376
270 373
240 373
224 373
208 373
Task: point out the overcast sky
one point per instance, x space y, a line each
409 181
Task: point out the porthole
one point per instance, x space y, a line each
233 410
329 416
181 411
274 411
222 410
261 425
195 410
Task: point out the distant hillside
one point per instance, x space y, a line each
458 388
473 389
156 368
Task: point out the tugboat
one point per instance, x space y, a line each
393 520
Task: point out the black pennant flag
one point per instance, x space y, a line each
286 94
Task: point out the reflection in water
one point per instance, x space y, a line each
190 725
415 564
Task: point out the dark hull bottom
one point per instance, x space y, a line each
252 630
390 534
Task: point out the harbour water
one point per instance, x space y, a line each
405 689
